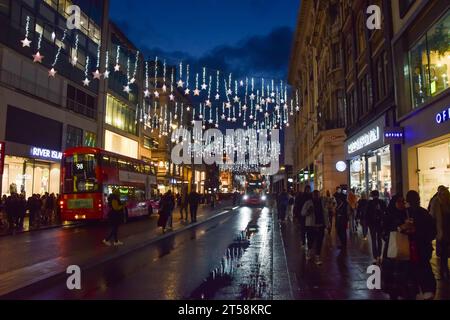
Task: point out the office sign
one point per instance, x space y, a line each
2 156
394 135
45 154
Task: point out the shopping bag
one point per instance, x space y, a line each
399 247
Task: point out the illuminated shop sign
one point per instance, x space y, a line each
46 154
365 140
394 135
443 116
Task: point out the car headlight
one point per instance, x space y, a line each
263 198
245 197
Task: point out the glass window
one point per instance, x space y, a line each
90 139
74 137
81 102
80 174
361 26
419 72
429 62
358 175
120 116
404 6
439 52
434 169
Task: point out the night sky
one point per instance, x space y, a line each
246 37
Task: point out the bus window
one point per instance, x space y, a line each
80 174
113 162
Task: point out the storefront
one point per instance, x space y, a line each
37 171
427 149
369 160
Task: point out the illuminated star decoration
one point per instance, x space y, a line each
127 89
244 107
234 119
252 97
241 83
180 84
269 100
217 96
208 103
164 88
96 74
204 86
74 61
196 92
210 121
171 97
229 92
52 72
38 57
133 80
146 93
25 42
223 117
236 99
106 74
156 93
187 91
86 82
272 94
228 105
117 68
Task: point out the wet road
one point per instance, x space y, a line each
170 268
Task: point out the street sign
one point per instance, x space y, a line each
2 156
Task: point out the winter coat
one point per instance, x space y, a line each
308 211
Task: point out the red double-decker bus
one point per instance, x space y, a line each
90 175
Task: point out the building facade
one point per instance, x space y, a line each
316 73
421 51
40 115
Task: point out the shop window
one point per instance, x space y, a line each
90 139
74 137
360 27
429 62
434 169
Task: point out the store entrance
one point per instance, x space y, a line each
434 168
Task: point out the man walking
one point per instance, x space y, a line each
194 200
341 217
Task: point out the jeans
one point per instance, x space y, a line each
193 210
114 232
315 239
375 235
341 229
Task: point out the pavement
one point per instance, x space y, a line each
343 275
29 259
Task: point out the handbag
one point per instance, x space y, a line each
399 246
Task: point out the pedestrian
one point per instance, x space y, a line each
193 200
422 231
115 216
330 206
362 214
2 210
21 211
352 200
397 276
441 214
375 214
306 196
341 217
290 210
183 206
11 209
169 207
282 205
316 218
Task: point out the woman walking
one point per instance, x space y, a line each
115 216
316 219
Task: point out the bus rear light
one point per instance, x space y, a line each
80 217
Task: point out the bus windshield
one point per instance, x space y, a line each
80 174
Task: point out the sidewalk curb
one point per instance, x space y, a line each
60 275
40 229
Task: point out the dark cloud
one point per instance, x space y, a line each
257 56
